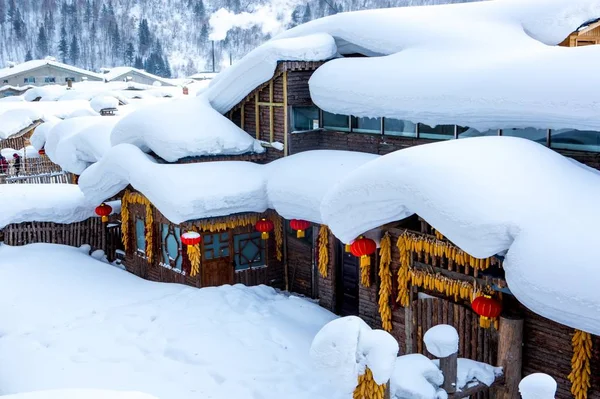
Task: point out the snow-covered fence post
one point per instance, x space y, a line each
510 353
537 386
442 342
357 360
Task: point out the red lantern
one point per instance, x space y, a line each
264 226
487 308
190 238
363 248
103 210
299 225
42 151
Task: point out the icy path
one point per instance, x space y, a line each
69 321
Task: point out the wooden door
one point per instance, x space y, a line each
347 283
217 267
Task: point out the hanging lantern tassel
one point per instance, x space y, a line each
365 260
300 234
347 248
485 322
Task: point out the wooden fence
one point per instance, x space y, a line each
35 170
90 231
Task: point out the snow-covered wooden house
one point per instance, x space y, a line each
586 35
405 83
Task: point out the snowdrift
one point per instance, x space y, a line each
488 195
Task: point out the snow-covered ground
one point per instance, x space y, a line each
71 321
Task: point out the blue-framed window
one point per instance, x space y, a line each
399 127
438 132
571 139
537 135
140 235
305 118
171 245
71 79
216 245
249 250
366 125
337 122
5 81
49 79
30 79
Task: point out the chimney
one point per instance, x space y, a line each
69 83
185 91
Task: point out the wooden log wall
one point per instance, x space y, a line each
77 234
299 257
327 285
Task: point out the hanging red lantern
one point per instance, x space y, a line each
299 225
103 211
487 308
190 238
363 248
264 226
42 151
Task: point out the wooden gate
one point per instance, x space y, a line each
217 266
475 343
347 283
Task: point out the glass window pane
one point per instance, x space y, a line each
398 127
464 132
570 139
336 122
439 132
164 232
367 125
140 235
249 250
305 118
537 135
178 239
216 246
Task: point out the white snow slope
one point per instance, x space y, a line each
116 331
488 195
59 203
78 394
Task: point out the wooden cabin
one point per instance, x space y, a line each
437 289
586 35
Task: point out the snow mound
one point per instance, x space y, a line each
183 128
200 188
75 144
415 377
116 331
492 208
441 340
79 394
297 184
344 347
59 203
38 138
99 103
45 93
537 386
233 84
486 81
81 112
469 371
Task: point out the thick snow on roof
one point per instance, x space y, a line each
488 195
293 186
183 128
297 184
79 394
14 120
233 84
30 65
38 138
180 191
59 203
76 143
121 72
473 64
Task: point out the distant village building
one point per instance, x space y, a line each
130 74
8 91
44 72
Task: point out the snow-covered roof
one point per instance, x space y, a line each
293 186
121 72
58 203
203 75
489 195
35 64
15 88
17 120
473 64
182 128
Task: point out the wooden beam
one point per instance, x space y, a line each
285 114
242 117
257 116
271 121
510 355
271 104
486 280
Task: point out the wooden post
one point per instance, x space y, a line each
449 366
387 393
510 354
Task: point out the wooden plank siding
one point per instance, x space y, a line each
89 231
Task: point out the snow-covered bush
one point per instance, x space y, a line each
537 386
